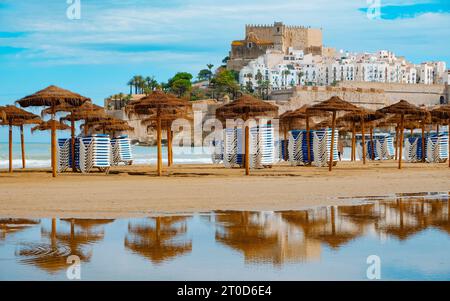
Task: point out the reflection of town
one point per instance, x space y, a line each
260 237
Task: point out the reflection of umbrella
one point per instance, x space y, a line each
402 108
334 105
11 225
360 214
238 231
405 227
52 96
52 256
330 232
246 107
13 116
160 240
158 105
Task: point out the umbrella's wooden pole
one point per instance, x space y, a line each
169 147
53 143
86 129
247 150
449 144
72 136
437 129
401 142
158 138
308 138
423 142
372 144
285 144
333 125
10 148
353 142
396 143
363 133
22 145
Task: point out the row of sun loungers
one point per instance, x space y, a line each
320 147
231 150
383 146
94 152
436 148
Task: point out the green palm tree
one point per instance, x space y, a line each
131 83
210 66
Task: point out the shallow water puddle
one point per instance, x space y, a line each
408 234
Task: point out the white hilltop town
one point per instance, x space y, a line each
286 70
281 57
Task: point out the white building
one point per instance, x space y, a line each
280 71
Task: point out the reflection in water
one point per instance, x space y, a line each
160 238
12 225
51 254
263 238
280 239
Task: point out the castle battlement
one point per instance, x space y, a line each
261 37
270 26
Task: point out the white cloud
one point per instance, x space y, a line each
191 25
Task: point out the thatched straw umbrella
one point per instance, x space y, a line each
53 96
443 114
334 105
402 108
158 105
51 125
113 128
13 116
245 108
89 113
362 117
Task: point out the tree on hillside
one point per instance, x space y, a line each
180 84
204 74
151 83
225 81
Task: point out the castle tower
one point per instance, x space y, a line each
278 35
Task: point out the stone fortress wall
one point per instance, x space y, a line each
297 37
366 94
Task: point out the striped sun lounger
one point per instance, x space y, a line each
121 151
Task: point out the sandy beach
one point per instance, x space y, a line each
136 191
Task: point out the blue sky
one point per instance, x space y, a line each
115 39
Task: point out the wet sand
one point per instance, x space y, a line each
136 191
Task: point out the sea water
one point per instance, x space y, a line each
38 155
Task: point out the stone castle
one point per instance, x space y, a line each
260 38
